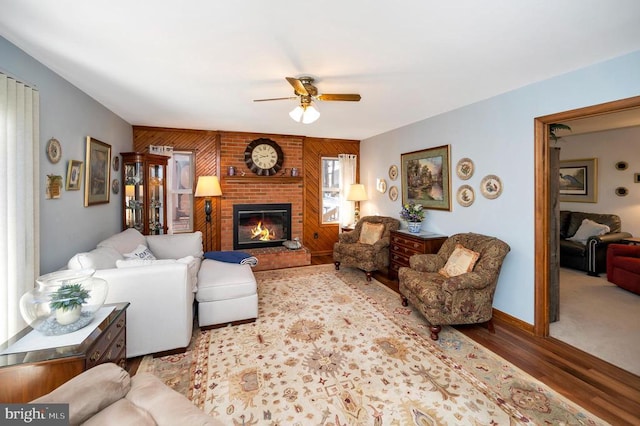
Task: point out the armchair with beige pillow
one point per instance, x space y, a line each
456 285
367 246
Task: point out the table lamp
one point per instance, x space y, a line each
357 193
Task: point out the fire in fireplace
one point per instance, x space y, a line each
261 225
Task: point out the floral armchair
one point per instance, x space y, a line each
361 249
463 299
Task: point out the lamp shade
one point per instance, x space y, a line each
305 114
357 193
208 186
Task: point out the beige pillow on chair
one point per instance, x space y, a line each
461 261
371 232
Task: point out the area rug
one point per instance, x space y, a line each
331 349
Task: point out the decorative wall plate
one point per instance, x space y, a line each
465 195
115 186
393 193
54 150
116 163
465 168
393 172
491 186
621 191
381 185
622 165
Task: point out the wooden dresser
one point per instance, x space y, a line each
25 376
403 245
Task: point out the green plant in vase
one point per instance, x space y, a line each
67 302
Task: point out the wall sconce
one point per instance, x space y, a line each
357 193
208 186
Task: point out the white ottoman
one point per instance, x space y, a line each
227 293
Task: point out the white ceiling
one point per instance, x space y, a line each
199 63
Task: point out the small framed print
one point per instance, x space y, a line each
74 171
381 185
491 186
465 168
579 180
426 178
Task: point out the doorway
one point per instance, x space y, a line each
542 198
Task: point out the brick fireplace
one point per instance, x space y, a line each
252 189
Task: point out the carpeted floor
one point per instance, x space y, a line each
599 318
330 349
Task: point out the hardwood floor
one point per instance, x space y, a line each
605 390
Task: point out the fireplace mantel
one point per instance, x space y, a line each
262 179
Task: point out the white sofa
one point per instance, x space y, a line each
160 292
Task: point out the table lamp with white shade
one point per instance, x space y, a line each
357 193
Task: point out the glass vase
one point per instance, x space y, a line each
63 301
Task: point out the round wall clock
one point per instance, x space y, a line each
264 157
54 150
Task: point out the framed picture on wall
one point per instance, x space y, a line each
97 177
579 180
426 178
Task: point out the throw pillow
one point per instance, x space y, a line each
461 261
588 228
371 232
100 258
141 252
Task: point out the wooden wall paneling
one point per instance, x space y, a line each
206 145
319 238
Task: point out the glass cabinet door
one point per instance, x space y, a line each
134 195
156 199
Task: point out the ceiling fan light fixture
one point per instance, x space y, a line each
305 114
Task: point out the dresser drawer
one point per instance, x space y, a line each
407 243
111 340
399 258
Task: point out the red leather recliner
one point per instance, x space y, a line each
623 266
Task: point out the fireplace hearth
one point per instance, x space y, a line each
261 225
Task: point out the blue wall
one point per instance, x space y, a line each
69 115
498 135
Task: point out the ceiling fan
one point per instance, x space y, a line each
304 90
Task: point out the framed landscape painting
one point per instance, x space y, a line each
579 180
97 172
426 178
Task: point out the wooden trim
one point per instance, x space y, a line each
513 321
541 149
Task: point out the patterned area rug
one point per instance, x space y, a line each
330 349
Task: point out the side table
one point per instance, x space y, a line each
25 376
404 244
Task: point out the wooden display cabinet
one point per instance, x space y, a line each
144 198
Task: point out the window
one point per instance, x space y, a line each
330 169
181 191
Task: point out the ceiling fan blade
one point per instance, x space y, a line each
353 97
297 86
275 99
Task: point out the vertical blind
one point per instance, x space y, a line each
19 202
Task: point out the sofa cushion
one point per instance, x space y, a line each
100 258
176 246
371 232
88 398
124 413
134 263
611 220
140 252
460 262
222 280
125 241
587 229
